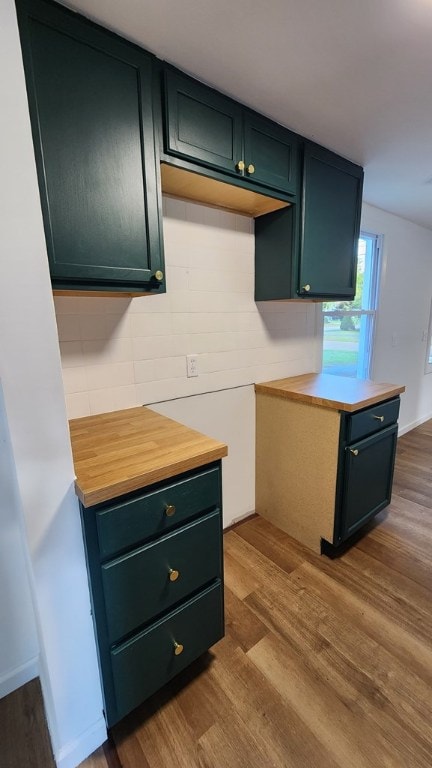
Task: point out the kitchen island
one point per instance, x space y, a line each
325 451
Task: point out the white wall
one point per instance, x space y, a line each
19 649
35 408
403 311
119 352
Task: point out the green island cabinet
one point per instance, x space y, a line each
154 554
90 100
325 453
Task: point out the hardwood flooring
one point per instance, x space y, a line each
24 739
325 663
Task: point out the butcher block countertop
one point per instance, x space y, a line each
115 453
339 393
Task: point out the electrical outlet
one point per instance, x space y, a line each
192 365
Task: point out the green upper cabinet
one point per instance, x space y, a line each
310 249
205 127
90 98
271 154
201 124
330 224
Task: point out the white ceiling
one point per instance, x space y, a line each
354 75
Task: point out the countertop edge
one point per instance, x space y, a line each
165 472
333 404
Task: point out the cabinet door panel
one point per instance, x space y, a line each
273 151
331 206
368 479
201 124
90 100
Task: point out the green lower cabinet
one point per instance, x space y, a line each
157 595
90 100
156 655
367 451
368 478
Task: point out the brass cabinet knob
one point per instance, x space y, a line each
240 166
306 287
378 418
170 510
250 169
354 451
178 648
173 574
158 275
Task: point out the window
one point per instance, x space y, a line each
349 325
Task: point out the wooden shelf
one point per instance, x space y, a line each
179 183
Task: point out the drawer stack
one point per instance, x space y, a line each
155 570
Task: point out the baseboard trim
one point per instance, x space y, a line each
19 676
239 521
75 752
413 425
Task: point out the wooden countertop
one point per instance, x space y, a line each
337 392
115 453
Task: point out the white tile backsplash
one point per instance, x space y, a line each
120 352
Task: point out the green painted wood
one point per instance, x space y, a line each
137 586
331 206
128 522
146 662
274 246
368 478
90 98
133 670
373 419
274 153
201 124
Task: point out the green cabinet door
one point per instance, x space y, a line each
201 124
271 154
331 207
368 478
90 101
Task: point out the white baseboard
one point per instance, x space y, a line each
414 424
75 752
19 676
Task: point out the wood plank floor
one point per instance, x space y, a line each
24 739
325 663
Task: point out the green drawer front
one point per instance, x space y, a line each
138 587
148 661
125 524
372 419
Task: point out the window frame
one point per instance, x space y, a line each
373 293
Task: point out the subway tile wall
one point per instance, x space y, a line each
120 352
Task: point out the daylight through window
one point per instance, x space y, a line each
349 325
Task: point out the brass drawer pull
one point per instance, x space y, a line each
240 166
306 288
159 275
378 418
178 648
354 451
250 169
170 510
173 574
